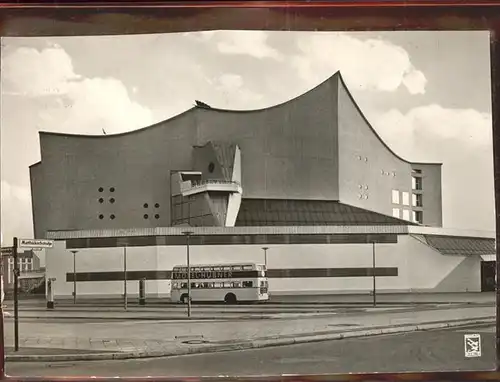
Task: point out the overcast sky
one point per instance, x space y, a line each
426 93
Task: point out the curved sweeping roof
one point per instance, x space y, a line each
221 110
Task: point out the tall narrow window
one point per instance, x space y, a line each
417 200
406 198
418 183
396 213
395 196
406 214
418 217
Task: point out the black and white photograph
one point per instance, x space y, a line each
247 203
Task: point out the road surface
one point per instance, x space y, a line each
423 351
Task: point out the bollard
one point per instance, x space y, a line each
50 294
142 291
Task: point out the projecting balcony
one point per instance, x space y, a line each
191 188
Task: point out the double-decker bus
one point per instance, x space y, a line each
229 283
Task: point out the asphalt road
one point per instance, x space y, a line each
422 351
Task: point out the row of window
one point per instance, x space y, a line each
215 268
215 285
24 264
111 189
146 205
417 199
393 173
111 200
112 216
417 216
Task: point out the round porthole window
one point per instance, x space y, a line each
112 200
211 167
101 189
101 216
146 216
101 200
157 216
112 217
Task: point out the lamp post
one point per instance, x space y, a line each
374 275
74 275
265 256
188 235
125 278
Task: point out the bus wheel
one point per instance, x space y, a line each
230 298
184 298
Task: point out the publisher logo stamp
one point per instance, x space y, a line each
472 344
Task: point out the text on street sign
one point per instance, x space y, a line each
35 243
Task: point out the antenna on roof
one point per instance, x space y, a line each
104 131
202 104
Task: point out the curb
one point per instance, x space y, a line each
248 345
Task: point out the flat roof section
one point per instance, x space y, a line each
273 239
269 230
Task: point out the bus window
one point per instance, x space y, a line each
184 285
226 268
247 284
236 284
247 267
227 284
236 268
217 285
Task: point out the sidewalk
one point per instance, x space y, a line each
209 312
301 299
136 339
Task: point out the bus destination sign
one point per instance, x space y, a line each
203 275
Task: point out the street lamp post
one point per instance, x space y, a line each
125 302
374 275
265 256
74 276
188 261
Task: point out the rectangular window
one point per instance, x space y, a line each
247 284
418 200
396 213
416 183
418 217
395 196
406 198
406 214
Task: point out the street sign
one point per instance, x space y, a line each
7 251
35 243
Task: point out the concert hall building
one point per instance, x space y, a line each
309 178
